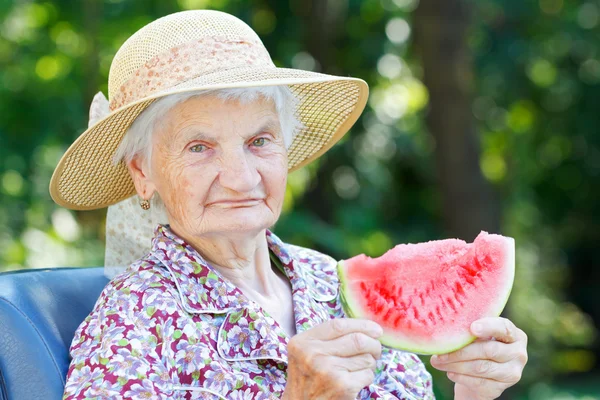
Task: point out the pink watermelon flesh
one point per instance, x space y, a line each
425 296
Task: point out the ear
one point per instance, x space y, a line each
140 173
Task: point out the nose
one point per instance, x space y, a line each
238 171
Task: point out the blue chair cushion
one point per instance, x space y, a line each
39 313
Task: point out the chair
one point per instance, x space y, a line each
39 313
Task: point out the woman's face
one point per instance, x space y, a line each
219 166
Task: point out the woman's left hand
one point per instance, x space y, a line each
485 368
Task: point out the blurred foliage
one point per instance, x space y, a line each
537 67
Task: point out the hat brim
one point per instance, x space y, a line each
86 177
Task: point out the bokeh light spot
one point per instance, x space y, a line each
406 5
589 71
193 4
38 15
542 72
418 96
305 61
588 15
573 360
264 21
397 30
493 166
345 182
47 67
68 41
376 243
12 183
389 66
65 225
551 6
521 116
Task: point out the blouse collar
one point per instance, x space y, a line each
204 290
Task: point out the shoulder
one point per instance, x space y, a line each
142 279
143 290
315 262
120 346
129 309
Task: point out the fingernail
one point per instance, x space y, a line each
378 331
442 357
476 327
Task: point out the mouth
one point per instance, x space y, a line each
235 203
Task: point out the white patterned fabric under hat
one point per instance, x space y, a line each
129 232
187 52
129 228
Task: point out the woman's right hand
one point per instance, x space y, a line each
333 360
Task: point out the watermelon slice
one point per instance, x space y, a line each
425 296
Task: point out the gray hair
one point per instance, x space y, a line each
138 137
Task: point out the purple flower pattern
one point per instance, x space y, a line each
171 327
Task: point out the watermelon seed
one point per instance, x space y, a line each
451 304
457 299
431 318
459 289
442 302
379 305
469 278
388 314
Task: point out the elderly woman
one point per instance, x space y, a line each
202 124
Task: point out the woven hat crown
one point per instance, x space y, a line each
171 31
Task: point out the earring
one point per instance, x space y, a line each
145 204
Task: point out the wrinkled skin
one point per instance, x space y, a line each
220 168
333 360
208 152
485 368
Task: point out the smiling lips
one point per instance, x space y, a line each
235 203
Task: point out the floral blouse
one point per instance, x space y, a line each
171 327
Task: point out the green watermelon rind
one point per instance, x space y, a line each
352 310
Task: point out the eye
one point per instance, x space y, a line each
259 142
199 148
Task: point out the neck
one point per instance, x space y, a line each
242 259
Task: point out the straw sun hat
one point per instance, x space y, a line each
189 51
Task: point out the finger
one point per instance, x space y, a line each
501 329
484 349
485 388
339 327
351 345
356 363
360 379
501 372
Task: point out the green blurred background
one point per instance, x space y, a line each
482 116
